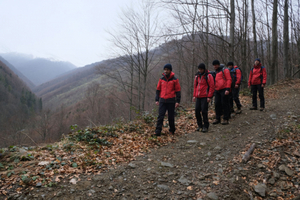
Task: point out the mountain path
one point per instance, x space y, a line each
193 167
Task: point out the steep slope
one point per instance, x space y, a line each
68 88
38 70
16 100
17 72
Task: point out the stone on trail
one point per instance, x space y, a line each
202 144
163 187
272 181
260 189
184 181
282 168
273 116
39 184
165 164
192 141
132 165
288 171
217 148
212 196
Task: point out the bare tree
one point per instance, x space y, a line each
254 29
286 41
274 65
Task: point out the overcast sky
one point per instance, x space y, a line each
67 30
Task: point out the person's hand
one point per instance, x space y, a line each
262 85
194 99
208 100
226 92
157 103
249 86
236 86
176 105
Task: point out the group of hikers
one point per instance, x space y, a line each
223 84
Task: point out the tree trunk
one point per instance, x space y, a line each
254 29
286 60
206 37
274 66
232 23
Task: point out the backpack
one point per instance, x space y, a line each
233 77
261 73
241 73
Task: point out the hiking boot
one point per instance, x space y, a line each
204 130
216 121
171 133
253 108
199 128
224 122
155 135
239 111
261 109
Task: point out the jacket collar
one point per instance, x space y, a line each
170 77
257 66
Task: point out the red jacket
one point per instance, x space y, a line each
258 75
168 89
238 75
223 79
204 86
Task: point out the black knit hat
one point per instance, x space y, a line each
216 62
257 59
230 64
168 66
201 66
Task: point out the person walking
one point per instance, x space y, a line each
222 89
167 98
236 76
204 87
257 81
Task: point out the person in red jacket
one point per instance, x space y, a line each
257 81
167 98
236 75
222 89
204 87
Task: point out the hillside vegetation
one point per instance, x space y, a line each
17 103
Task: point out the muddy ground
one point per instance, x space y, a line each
198 165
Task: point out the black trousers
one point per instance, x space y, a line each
254 89
234 96
202 107
222 106
163 107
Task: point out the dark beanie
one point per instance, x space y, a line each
201 66
216 62
230 64
168 66
257 59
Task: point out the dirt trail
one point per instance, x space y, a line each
197 166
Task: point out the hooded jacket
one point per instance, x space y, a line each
204 85
168 89
258 75
223 79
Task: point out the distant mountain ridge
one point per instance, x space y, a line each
37 70
18 73
59 90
